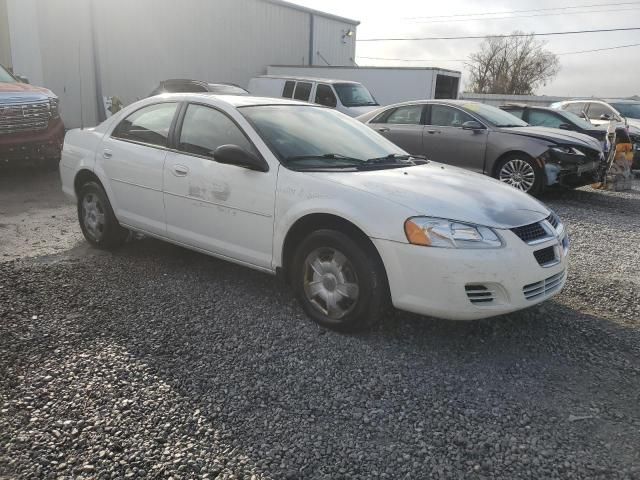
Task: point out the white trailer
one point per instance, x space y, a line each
387 84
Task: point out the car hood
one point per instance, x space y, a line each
23 92
357 111
555 135
443 191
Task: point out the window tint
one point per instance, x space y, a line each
596 110
541 118
148 125
325 96
576 108
288 89
515 111
443 116
409 115
204 129
303 90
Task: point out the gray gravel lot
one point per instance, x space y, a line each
157 362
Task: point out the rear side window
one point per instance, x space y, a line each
409 115
148 125
597 110
288 89
303 90
204 129
325 96
545 119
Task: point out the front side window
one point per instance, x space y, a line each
150 125
409 115
204 129
325 96
298 131
287 92
444 116
303 90
545 119
597 111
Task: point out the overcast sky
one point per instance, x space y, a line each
607 73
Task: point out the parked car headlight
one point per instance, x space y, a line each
439 232
566 150
53 107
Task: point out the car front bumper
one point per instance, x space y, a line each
33 145
442 282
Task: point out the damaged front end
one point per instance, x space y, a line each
571 166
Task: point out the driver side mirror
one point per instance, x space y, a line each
605 116
238 156
472 125
22 78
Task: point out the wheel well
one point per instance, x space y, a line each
82 177
502 157
317 221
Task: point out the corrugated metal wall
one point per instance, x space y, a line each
135 44
5 40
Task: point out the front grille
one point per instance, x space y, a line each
530 233
545 256
553 220
480 294
544 287
24 117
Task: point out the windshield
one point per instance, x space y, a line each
319 136
227 89
575 119
354 95
6 77
631 110
494 115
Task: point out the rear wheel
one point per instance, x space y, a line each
340 283
97 220
522 173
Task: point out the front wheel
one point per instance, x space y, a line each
522 173
339 282
97 220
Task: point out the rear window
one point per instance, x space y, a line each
288 89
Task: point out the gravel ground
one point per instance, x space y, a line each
156 362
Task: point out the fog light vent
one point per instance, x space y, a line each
480 294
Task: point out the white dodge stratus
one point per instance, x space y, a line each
345 216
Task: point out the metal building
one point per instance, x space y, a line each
89 50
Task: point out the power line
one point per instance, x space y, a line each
525 11
548 14
511 35
466 59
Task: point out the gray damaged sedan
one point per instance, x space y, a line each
487 140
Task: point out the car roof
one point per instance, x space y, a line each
232 100
307 79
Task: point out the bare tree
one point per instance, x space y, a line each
511 65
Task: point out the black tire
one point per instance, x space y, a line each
538 182
363 266
109 234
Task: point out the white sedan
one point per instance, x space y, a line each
346 217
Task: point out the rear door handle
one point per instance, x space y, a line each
180 171
433 131
383 129
106 153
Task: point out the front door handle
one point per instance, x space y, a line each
106 153
383 129
433 131
180 171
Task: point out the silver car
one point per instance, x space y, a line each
488 140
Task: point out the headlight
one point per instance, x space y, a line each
439 232
566 150
53 107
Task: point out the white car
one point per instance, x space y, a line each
345 216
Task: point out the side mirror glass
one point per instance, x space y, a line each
238 156
472 125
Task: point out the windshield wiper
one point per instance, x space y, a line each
398 158
325 156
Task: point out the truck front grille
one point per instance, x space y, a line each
24 117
